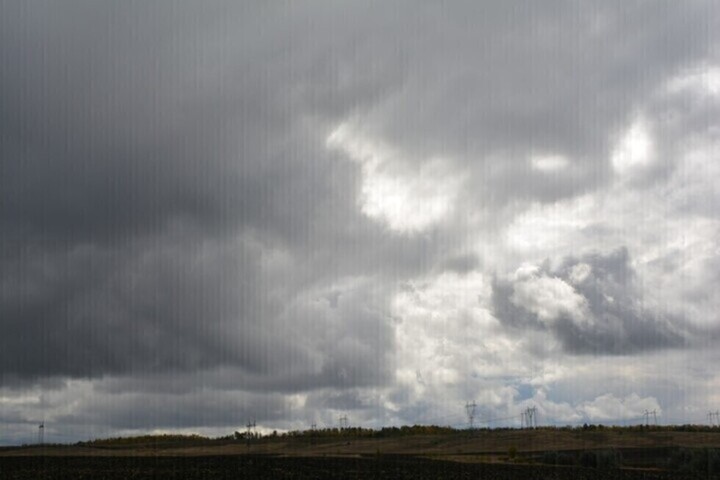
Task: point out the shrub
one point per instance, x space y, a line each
564 458
608 459
696 460
557 458
587 459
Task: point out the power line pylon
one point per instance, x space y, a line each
41 434
470 410
343 422
533 417
250 430
528 418
647 414
714 418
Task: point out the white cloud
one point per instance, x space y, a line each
580 272
635 150
549 163
548 297
701 81
437 319
550 229
407 196
609 407
449 347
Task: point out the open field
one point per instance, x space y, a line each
270 467
487 443
491 454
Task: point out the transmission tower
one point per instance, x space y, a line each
647 414
714 415
533 417
343 422
470 411
250 429
528 418
41 434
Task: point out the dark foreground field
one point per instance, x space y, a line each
272 467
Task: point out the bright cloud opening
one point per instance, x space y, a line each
704 81
406 196
549 163
635 149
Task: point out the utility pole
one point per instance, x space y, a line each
41 434
470 410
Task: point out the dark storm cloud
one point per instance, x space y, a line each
116 130
182 306
615 321
136 144
227 410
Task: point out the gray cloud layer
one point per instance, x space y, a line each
169 204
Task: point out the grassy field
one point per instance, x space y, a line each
655 453
487 443
296 468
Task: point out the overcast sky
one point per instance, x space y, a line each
213 212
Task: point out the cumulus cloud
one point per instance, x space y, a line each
590 304
609 407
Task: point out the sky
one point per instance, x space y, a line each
215 212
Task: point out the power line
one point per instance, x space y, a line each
496 420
